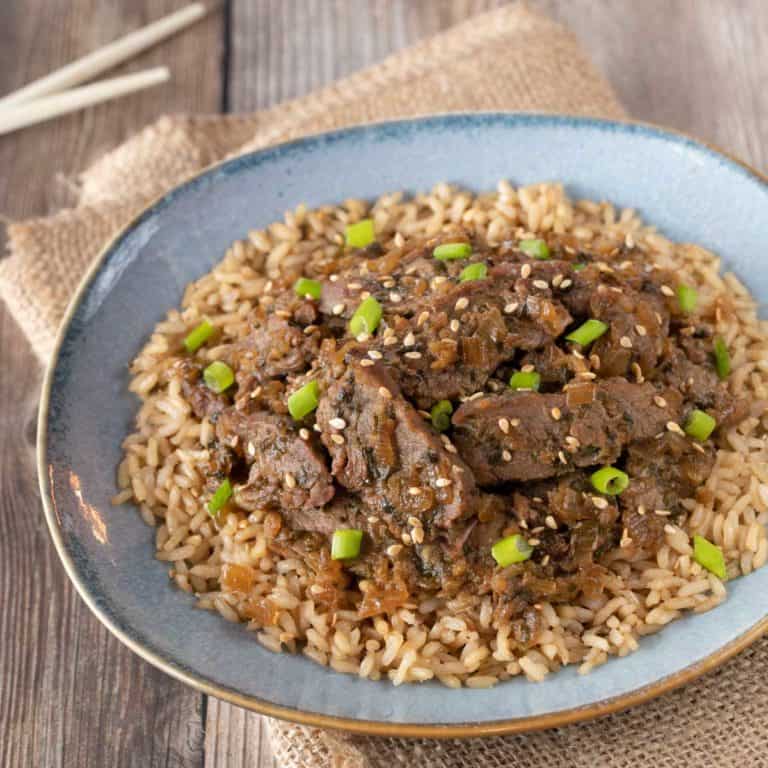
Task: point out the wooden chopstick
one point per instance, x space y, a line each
76 98
105 58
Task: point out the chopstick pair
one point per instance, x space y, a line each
54 94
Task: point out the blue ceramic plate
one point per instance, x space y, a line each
689 190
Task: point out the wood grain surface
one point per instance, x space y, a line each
71 695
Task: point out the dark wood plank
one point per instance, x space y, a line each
73 695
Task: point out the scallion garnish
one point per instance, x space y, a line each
537 249
441 415
709 556
360 234
366 317
304 400
699 425
512 549
307 288
476 271
587 332
346 544
722 358
687 298
220 497
198 336
219 376
525 380
610 481
452 251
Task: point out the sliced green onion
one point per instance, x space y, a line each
303 400
219 376
473 272
525 380
361 234
306 287
512 549
699 425
706 554
441 415
538 249
198 336
451 251
578 267
687 298
587 332
220 497
722 358
366 317
346 544
610 481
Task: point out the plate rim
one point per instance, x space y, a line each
369 727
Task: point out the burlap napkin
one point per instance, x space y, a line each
505 60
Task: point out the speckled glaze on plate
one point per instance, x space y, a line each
689 190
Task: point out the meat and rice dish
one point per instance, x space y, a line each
461 437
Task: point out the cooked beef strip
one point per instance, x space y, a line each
205 403
545 436
389 455
285 471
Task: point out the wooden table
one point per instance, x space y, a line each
70 694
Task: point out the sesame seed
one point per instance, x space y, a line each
670 529
600 503
525 270
333 278
418 535
337 309
362 337
524 525
394 550
640 329
550 522
372 519
374 354
251 448
284 313
616 289
304 433
504 425
586 375
406 539
562 457
424 414
443 482
594 361
506 455
317 428
557 279
423 317
660 401
534 542
365 363
268 286
338 439
638 371
462 303
337 423
667 291
290 480
388 332
354 286
577 354
625 342
511 307
545 560
390 341
450 447
454 325
527 368
413 355
673 426
514 422
414 522
556 414
414 490
541 284
662 512
385 393
567 283
626 540
395 298
409 339
388 282
699 448
365 295
439 280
